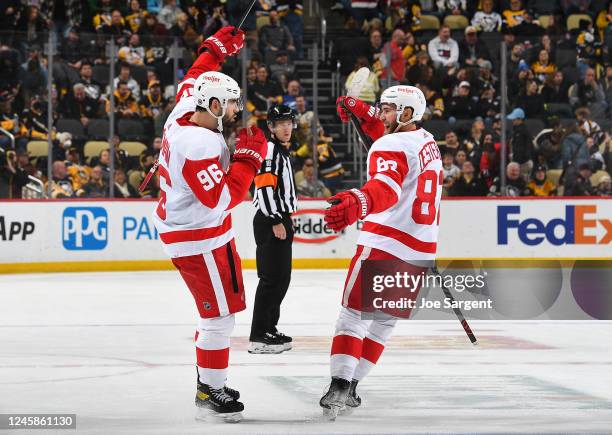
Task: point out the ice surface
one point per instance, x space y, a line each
117 350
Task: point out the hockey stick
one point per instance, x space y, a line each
367 143
456 309
153 169
244 17
354 91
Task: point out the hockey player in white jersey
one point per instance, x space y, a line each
399 206
200 184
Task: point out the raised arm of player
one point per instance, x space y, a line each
214 188
387 170
211 54
368 115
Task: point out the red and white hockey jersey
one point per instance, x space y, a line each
193 213
409 165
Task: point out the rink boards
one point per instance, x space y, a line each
46 236
546 259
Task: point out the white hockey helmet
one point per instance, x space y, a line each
405 96
217 85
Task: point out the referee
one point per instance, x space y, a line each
275 199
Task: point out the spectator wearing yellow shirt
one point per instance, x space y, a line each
136 16
539 185
515 15
603 22
152 105
103 15
125 104
543 67
78 173
34 121
405 14
411 49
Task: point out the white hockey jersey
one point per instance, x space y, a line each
193 214
410 164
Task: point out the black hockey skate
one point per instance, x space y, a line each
234 394
285 339
353 400
218 403
269 343
335 399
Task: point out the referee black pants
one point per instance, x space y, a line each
274 272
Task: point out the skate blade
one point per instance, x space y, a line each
347 410
266 349
210 416
332 412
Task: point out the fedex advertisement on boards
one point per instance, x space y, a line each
580 224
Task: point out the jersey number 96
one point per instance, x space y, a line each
210 176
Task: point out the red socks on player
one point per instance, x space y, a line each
358 344
212 349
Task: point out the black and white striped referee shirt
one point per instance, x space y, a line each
275 193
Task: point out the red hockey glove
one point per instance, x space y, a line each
223 43
342 112
346 208
251 147
368 115
362 110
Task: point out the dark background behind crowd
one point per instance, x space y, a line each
558 71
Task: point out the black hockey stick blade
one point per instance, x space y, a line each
458 313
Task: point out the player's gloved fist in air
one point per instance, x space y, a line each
368 115
346 208
360 109
251 146
224 43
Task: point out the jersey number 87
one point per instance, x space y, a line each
426 192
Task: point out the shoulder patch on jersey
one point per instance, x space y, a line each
185 120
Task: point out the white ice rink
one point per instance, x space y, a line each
117 350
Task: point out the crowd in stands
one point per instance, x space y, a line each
148 35
559 87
